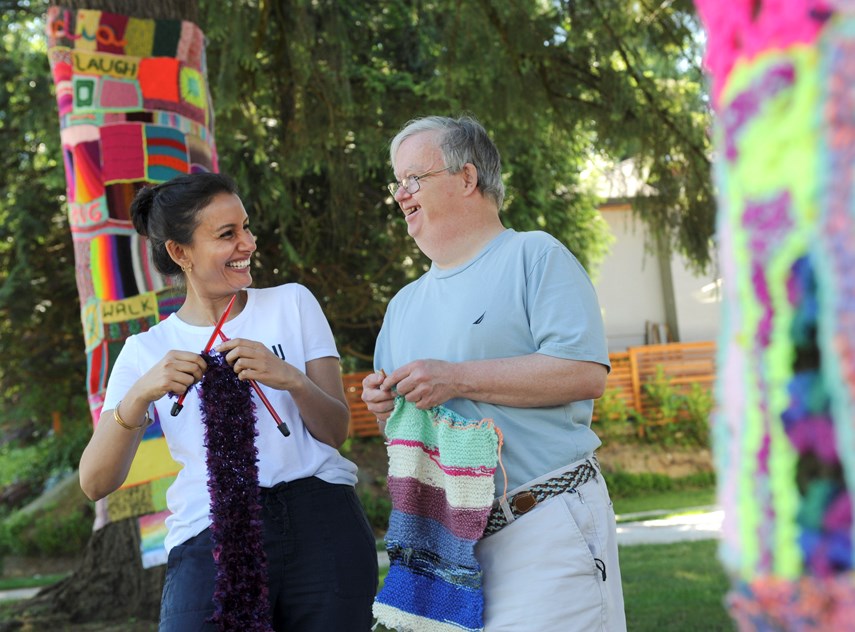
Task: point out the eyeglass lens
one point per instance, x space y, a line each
410 184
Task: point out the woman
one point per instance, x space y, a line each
320 552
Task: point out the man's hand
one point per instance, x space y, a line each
534 380
425 383
379 401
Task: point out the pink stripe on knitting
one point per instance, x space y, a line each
451 470
413 497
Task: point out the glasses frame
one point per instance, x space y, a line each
410 184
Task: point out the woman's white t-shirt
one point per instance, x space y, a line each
289 320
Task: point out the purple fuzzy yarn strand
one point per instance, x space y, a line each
228 413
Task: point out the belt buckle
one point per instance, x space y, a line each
523 502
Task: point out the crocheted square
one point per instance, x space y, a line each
117 94
139 37
158 77
88 184
166 153
123 153
193 89
441 468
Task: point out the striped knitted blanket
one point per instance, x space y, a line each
441 468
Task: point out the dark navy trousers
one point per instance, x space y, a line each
321 564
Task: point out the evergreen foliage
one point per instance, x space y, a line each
308 95
41 343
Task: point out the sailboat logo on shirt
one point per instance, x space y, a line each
277 349
480 318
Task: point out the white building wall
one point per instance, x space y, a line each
628 284
698 302
629 287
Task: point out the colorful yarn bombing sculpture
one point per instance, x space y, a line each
441 468
134 109
240 590
783 79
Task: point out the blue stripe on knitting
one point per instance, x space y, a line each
416 532
432 598
430 564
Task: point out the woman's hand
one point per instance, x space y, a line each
106 461
318 393
252 360
176 372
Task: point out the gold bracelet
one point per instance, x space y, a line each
145 424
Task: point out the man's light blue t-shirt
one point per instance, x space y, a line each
524 293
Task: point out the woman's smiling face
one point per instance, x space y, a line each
222 248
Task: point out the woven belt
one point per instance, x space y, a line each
524 501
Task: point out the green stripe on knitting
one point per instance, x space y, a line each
477 446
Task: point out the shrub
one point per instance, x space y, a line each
683 417
699 405
44 533
50 456
34 466
625 485
667 399
377 508
60 454
614 416
27 467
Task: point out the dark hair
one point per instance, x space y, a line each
170 210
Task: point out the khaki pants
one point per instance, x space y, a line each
544 571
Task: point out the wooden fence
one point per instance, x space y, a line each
362 422
683 364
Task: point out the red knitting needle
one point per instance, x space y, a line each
283 428
177 406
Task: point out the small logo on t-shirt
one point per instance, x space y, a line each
277 349
480 318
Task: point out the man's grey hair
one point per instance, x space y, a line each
460 140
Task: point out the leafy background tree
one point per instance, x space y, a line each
40 334
308 96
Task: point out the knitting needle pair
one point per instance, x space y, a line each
218 331
283 428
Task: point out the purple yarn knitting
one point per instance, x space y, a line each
228 413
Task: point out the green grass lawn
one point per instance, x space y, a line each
674 588
666 501
670 588
12 583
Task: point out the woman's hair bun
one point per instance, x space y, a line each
141 209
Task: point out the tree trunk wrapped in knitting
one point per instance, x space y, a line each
783 87
134 108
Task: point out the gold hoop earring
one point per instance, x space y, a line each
187 269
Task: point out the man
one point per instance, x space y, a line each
506 326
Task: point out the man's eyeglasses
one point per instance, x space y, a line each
411 183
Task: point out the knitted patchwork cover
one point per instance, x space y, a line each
441 468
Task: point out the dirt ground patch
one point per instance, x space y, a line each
15 566
641 459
